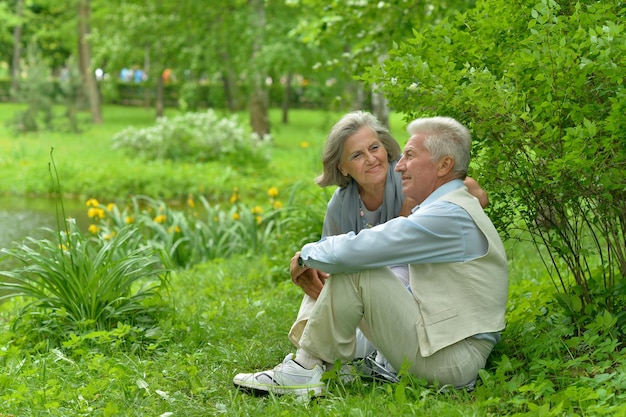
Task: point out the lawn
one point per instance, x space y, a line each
232 314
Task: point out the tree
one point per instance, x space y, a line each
258 102
17 46
362 33
84 60
544 96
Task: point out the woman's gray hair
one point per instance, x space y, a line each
445 137
347 126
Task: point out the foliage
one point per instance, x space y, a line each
44 95
192 137
232 316
37 90
200 232
544 96
75 284
91 168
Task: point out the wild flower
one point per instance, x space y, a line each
92 202
161 218
93 229
235 196
272 192
96 213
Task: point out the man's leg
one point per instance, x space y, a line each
376 301
387 314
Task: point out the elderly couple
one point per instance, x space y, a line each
409 266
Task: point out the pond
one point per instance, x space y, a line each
21 217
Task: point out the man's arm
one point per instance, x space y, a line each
435 233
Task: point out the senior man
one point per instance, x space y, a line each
445 327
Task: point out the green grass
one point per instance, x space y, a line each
232 315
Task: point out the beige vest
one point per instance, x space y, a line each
460 299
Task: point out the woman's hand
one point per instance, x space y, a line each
309 279
477 191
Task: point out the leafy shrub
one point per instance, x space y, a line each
544 96
192 137
74 283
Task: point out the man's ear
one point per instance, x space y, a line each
446 165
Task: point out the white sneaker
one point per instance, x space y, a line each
286 378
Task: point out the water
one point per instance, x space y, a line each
22 217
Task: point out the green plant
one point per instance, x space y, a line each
74 283
544 96
196 137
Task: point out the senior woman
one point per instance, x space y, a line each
359 157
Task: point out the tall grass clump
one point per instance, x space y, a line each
193 137
73 283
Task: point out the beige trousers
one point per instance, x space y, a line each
376 302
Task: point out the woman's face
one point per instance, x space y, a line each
364 158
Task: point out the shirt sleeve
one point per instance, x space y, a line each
438 232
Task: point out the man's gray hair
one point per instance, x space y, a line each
445 137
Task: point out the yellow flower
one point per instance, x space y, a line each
129 219
93 229
257 210
92 202
174 229
236 216
304 144
234 198
190 201
273 192
161 218
259 219
110 206
278 204
95 213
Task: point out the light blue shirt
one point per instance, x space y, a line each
436 231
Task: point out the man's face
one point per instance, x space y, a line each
420 176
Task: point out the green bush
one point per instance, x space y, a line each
541 85
193 137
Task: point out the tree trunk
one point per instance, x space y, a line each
229 83
147 62
380 108
159 104
17 48
84 59
287 98
258 104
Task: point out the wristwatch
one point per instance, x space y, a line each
301 262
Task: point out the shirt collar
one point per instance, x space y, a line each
444 189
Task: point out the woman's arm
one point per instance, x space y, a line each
477 191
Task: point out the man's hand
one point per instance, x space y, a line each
310 280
